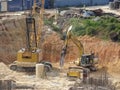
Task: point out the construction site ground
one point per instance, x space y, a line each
12 39
55 80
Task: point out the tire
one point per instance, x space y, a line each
48 68
13 67
46 63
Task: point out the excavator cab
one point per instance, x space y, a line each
87 60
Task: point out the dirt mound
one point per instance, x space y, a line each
4 71
107 51
52 49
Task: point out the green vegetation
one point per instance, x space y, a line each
50 23
100 28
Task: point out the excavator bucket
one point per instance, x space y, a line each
63 53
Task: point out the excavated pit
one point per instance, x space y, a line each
12 38
12 34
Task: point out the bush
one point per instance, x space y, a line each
101 28
55 28
91 31
48 21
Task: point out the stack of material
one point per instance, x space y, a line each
98 12
111 5
114 5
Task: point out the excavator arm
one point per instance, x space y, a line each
70 36
37 13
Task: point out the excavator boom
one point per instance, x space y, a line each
70 36
85 60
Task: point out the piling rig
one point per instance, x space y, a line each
28 57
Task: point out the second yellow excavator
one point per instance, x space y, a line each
85 60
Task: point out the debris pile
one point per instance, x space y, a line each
81 13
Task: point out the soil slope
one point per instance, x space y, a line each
12 38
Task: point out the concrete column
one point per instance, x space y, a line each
39 70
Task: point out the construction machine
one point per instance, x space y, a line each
31 55
86 61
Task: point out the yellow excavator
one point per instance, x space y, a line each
86 61
28 57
